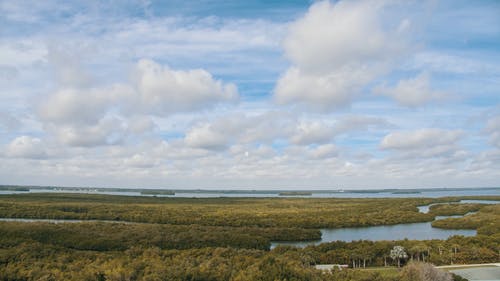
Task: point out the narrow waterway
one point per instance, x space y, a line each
412 231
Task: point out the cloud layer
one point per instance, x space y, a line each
335 50
336 93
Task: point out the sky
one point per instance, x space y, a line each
250 94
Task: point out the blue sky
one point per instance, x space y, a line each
250 94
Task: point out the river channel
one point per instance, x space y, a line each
412 231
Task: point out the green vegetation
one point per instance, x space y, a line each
157 192
101 236
295 193
454 209
237 212
455 250
224 238
486 221
36 261
14 188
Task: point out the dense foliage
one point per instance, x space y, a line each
455 250
454 209
41 262
486 221
227 238
261 212
101 236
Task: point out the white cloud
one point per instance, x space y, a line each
412 92
324 151
205 137
91 116
493 129
31 12
67 66
140 124
243 129
457 64
276 127
352 123
164 91
422 138
82 106
21 52
336 49
26 147
106 131
312 132
141 160
332 35
323 92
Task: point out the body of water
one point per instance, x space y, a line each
412 231
275 193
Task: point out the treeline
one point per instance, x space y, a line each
236 212
105 237
118 236
454 250
13 188
36 261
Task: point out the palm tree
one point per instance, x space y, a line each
398 253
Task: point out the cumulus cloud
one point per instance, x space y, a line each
352 123
80 117
312 132
323 92
106 131
324 151
141 160
422 138
205 137
412 92
164 91
140 124
26 147
493 129
337 34
276 127
425 143
264 128
82 106
90 116
67 66
221 132
336 49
